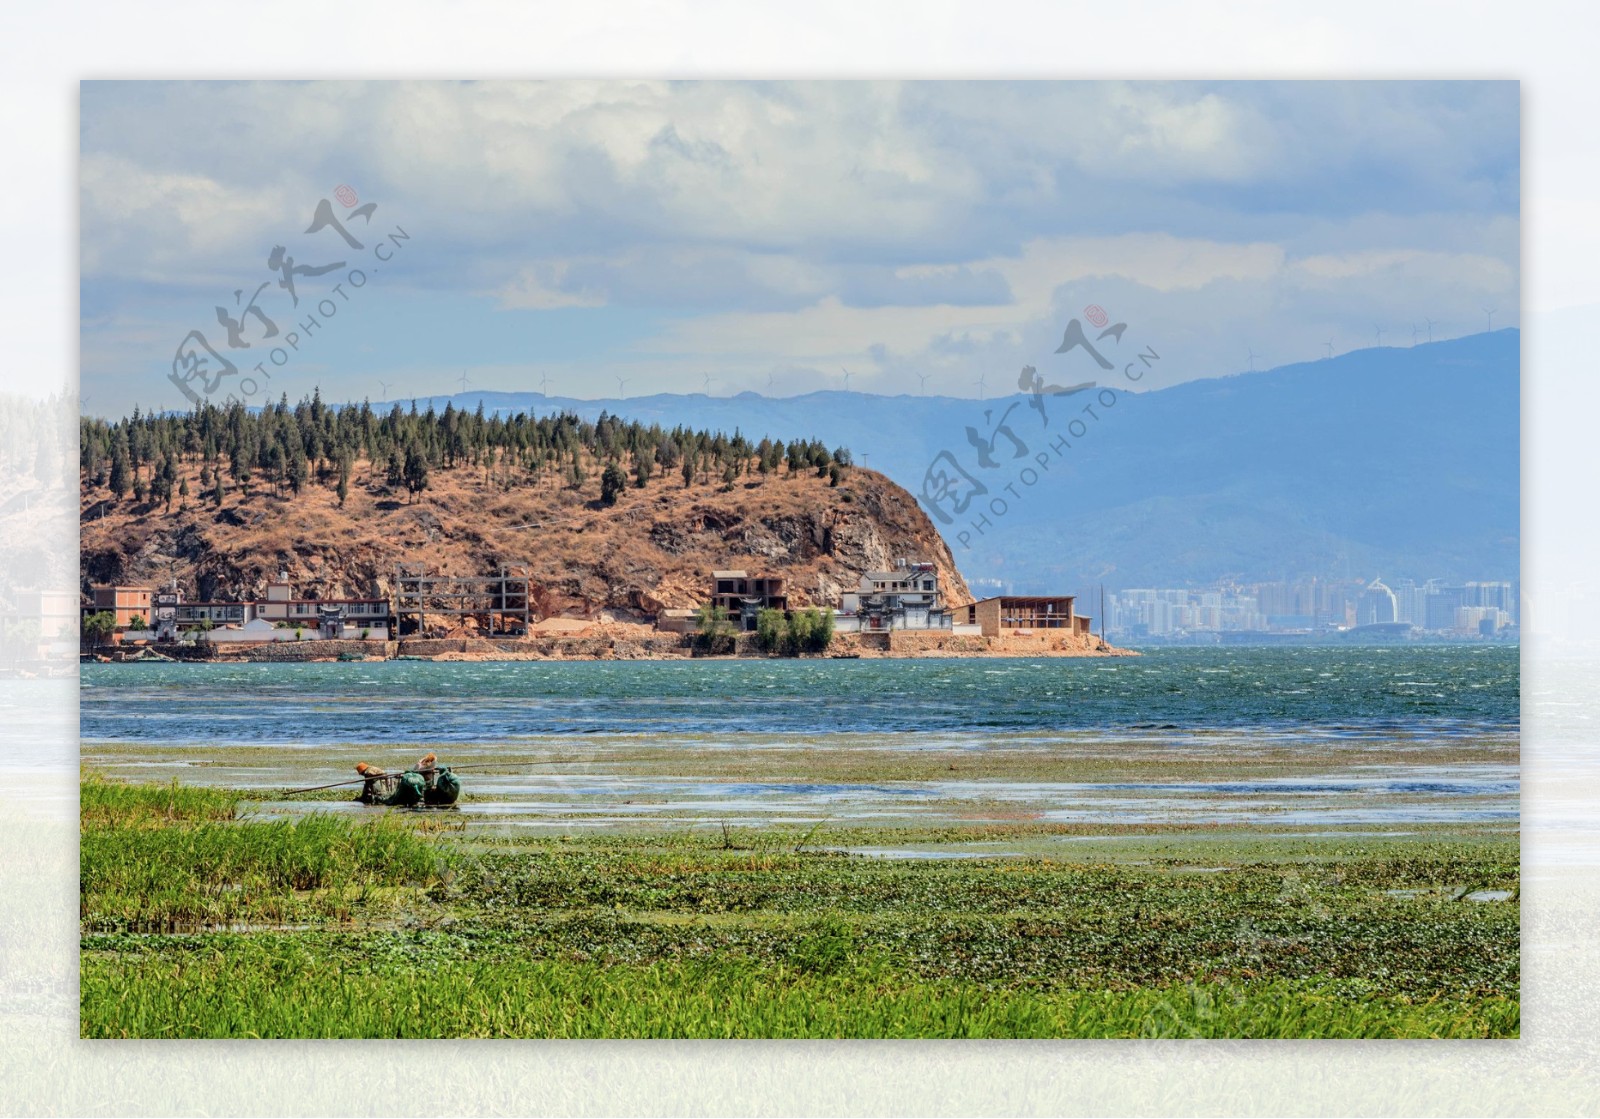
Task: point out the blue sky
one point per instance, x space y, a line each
639 237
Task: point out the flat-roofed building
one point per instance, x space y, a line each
744 596
1010 614
188 614
677 621
127 603
308 610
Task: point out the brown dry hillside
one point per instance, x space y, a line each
653 549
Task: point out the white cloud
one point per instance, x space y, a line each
168 226
786 226
539 288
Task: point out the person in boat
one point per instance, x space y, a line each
428 783
377 786
440 787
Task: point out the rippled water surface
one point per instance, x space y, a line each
1299 736
1443 689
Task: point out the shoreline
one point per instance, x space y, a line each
625 641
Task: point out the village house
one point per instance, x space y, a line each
329 616
126 603
166 614
744 596
38 625
1025 614
908 597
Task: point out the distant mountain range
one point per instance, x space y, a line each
1389 461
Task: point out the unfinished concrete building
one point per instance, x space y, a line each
499 605
744 596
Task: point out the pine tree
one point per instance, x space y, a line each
416 470
612 483
119 473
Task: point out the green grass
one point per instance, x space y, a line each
195 923
161 857
277 986
104 804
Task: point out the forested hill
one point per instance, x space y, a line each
287 449
610 515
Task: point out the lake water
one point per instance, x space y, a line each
1307 736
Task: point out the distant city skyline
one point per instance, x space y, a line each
1309 607
769 237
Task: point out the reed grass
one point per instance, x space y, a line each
273 986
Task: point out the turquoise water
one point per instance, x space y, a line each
1312 692
1391 737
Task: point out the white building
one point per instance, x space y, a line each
906 598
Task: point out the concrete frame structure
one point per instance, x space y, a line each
744 596
1026 614
505 598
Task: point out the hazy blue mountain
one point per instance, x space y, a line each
1391 461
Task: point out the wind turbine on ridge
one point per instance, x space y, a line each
622 381
1489 312
982 382
1329 344
923 377
1380 332
544 379
709 379
1253 356
1430 327
847 376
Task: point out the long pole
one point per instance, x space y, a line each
397 773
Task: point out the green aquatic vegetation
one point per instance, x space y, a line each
103 803
198 869
273 985
876 759
1014 921
415 927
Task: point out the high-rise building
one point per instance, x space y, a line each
1440 606
1375 605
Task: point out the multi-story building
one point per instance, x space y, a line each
1440 606
281 605
191 614
127 603
1376 605
744 596
168 614
39 625
906 598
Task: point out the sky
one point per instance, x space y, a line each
602 239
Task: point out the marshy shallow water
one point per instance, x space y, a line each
1299 737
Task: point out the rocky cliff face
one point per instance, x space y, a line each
654 549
